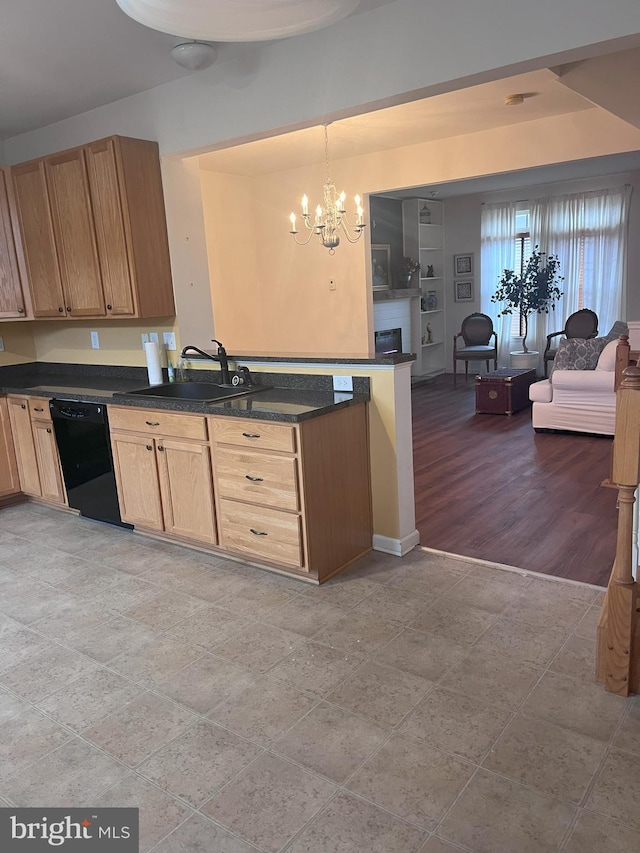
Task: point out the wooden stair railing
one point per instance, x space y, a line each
618 646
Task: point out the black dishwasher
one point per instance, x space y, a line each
82 434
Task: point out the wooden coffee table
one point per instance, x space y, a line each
503 391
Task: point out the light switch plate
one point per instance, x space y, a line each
95 341
169 339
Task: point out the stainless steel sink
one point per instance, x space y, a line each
204 392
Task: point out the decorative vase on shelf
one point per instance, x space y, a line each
432 301
425 216
405 280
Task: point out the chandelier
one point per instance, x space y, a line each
330 220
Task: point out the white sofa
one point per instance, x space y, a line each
580 400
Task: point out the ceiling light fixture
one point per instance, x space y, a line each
194 55
237 20
332 218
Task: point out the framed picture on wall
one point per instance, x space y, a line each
463 264
380 266
463 290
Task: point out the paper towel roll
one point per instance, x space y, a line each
154 367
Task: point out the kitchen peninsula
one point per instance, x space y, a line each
290 492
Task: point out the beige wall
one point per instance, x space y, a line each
19 345
120 343
271 295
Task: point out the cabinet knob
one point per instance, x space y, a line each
160 448
109 307
251 434
61 310
23 405
149 446
20 310
258 532
253 479
49 429
68 309
152 423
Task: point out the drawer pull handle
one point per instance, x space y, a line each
251 434
152 423
254 479
37 409
149 446
258 532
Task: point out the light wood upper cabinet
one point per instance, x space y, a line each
38 240
9 479
12 302
74 232
93 226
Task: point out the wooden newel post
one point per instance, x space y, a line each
618 661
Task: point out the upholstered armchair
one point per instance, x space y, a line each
480 343
581 324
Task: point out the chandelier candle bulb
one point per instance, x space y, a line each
305 206
293 223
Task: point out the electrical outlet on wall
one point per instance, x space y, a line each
169 339
95 341
343 383
145 338
153 336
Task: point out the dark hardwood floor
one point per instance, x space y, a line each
488 486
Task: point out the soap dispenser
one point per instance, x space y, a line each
181 370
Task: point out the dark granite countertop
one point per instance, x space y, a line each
104 384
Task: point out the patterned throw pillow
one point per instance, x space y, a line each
579 353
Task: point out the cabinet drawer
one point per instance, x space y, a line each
39 408
267 533
257 477
156 422
248 433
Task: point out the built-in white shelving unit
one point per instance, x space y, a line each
423 239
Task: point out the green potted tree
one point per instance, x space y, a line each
533 292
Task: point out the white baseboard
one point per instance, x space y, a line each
397 547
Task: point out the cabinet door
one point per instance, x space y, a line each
187 489
51 484
38 243
134 459
9 480
11 298
110 228
75 234
24 446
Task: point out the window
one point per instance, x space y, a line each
523 253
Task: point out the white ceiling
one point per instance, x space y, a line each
444 116
59 58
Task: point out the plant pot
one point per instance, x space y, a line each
521 360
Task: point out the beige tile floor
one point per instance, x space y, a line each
428 704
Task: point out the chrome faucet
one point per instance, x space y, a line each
220 356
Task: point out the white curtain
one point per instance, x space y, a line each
588 233
498 253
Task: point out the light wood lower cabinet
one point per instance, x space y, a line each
164 481
297 496
9 479
294 497
36 450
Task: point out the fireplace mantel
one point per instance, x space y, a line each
395 293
